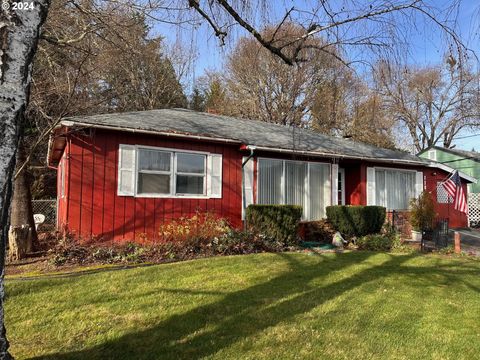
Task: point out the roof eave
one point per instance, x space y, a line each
71 124
449 169
339 156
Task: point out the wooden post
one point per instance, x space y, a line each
457 243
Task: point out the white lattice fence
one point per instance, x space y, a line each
474 209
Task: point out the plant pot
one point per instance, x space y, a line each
416 235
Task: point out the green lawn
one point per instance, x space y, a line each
356 305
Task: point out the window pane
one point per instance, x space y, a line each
189 184
153 184
295 173
394 189
340 187
319 191
190 163
154 160
380 188
270 181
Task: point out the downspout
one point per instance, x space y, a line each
244 195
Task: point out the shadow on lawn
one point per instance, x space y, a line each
210 328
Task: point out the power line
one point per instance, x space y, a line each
467 136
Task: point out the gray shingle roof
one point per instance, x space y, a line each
249 132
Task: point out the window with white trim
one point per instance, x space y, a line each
154 173
157 172
295 183
394 188
190 173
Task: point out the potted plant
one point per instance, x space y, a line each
422 215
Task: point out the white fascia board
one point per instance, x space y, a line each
449 169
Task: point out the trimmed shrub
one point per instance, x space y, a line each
276 222
375 242
356 220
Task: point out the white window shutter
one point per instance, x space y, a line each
126 170
248 183
334 184
214 171
418 183
371 186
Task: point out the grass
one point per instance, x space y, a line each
357 305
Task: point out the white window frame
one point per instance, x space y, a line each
341 175
306 210
154 172
432 155
173 174
386 190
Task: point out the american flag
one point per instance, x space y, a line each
453 186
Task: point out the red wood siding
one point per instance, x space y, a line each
356 191
455 217
95 211
92 210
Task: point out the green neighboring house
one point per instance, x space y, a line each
467 162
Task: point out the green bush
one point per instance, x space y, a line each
422 212
356 220
375 242
279 223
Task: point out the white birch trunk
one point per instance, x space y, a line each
19 32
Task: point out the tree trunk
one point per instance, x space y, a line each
19 32
22 232
18 238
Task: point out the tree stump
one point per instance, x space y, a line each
19 238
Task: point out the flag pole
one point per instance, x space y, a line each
449 176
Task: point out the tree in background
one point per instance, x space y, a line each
141 79
371 122
432 103
345 105
334 96
197 100
262 87
321 94
341 22
215 93
91 60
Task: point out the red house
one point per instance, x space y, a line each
122 175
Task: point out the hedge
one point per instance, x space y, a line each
356 220
278 222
